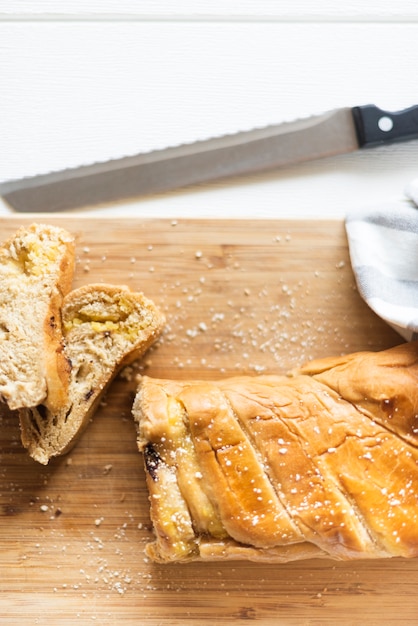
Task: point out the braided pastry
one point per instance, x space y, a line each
320 463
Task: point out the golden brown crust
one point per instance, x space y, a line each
57 365
382 385
285 467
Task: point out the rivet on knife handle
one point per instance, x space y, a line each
375 126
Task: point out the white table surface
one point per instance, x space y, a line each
89 80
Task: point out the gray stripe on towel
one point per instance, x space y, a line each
374 284
404 218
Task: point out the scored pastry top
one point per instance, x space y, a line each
319 463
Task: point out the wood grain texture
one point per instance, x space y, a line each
240 296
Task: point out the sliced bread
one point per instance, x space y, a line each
36 272
105 328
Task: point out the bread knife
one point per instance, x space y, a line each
335 132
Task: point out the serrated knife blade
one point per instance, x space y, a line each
335 132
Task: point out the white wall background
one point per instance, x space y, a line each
86 80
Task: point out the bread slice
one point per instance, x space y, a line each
36 271
105 328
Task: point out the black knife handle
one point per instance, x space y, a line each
375 126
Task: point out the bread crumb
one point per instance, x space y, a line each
127 373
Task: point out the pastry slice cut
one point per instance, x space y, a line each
105 328
320 463
36 272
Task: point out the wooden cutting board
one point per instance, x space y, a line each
239 296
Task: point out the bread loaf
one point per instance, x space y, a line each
105 328
36 271
320 463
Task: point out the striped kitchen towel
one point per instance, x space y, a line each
383 246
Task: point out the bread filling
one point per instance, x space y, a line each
105 328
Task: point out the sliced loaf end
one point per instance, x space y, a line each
105 328
36 272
